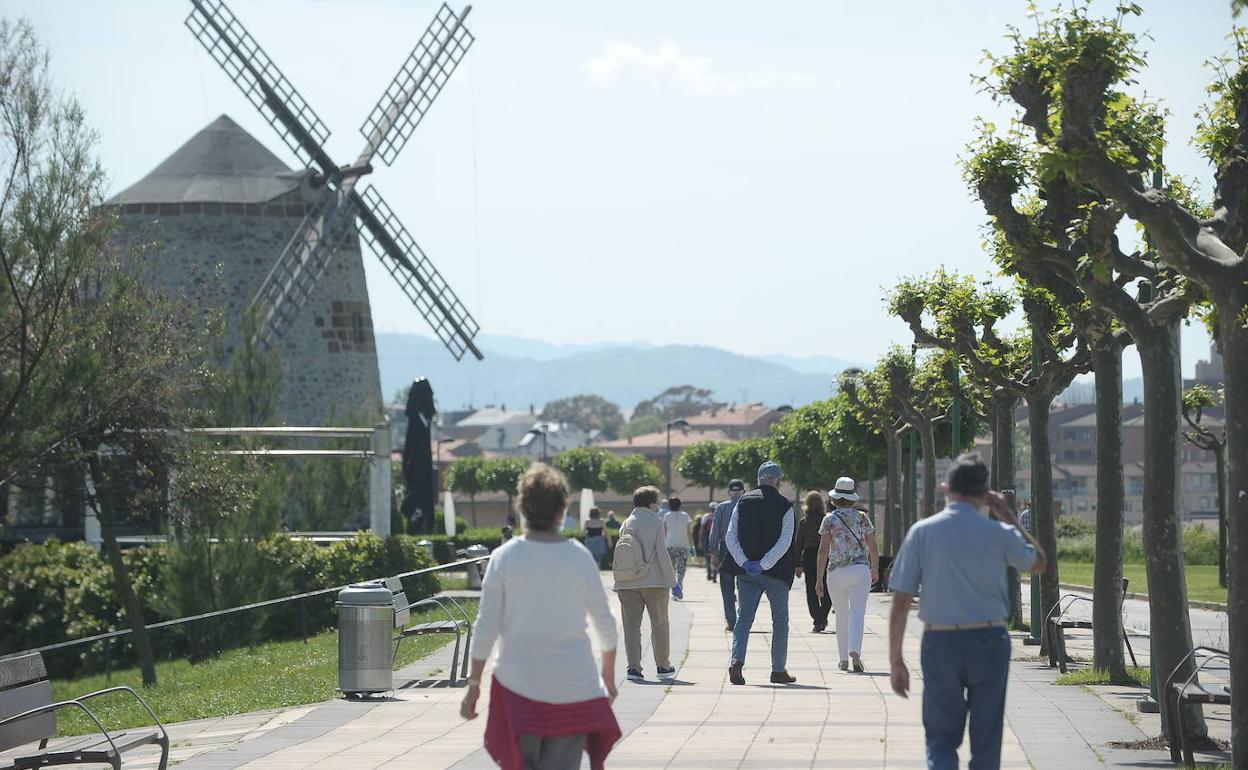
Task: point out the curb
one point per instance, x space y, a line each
1200 605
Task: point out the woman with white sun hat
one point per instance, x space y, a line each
849 557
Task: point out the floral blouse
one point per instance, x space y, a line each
849 529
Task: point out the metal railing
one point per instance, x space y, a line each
108 636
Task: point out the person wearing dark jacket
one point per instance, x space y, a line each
760 554
806 557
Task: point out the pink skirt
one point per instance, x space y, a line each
513 715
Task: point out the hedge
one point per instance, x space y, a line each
1200 546
53 591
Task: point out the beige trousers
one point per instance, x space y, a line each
633 601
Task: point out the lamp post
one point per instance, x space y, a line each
673 424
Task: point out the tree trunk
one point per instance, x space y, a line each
1107 653
1219 459
1170 626
927 439
106 511
894 523
1235 357
890 492
907 490
1003 454
472 506
1042 514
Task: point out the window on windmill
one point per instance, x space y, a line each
357 328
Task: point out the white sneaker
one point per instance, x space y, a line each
666 673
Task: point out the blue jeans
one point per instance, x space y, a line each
964 671
751 590
728 589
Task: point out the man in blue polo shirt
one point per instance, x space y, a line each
955 561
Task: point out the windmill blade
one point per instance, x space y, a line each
326 228
415 274
420 79
264 85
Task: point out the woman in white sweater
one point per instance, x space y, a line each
549 702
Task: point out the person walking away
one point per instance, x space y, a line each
696 537
760 551
643 576
677 523
806 556
612 525
717 548
704 541
595 536
549 703
850 560
957 561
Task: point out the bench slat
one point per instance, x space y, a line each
35 728
439 627
21 669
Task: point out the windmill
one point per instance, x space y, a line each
340 205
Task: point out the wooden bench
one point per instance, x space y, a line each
460 626
1058 623
28 715
1176 694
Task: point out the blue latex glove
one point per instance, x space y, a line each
753 568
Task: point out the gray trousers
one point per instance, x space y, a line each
633 602
563 753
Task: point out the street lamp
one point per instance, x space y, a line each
535 432
682 424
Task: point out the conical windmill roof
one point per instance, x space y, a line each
220 164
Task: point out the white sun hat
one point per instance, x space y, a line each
844 490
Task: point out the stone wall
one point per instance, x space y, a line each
216 255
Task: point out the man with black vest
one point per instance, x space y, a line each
760 544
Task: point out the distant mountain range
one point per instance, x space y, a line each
518 372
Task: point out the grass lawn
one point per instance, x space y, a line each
1100 676
1202 579
268 676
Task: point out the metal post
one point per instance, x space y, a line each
1037 610
379 481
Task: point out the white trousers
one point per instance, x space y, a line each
848 588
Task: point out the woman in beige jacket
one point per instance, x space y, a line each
650 592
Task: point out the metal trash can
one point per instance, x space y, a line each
365 638
428 546
476 571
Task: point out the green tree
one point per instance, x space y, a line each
587 412
1071 81
465 477
697 464
582 467
677 402
248 392
1196 400
869 395
953 313
741 459
641 424
503 475
820 442
625 474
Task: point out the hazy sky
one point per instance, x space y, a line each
741 175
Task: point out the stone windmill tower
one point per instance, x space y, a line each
242 232
219 210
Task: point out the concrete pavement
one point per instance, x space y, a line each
828 719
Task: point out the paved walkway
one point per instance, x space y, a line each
828 719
